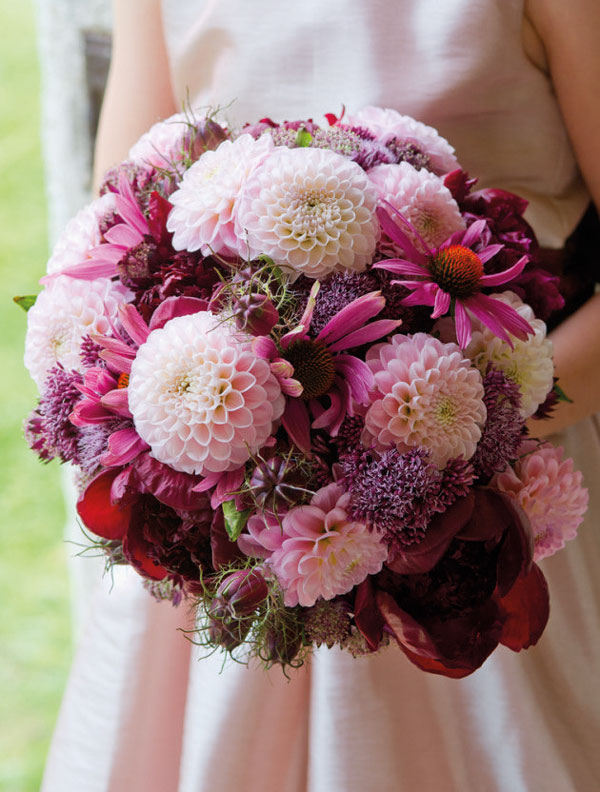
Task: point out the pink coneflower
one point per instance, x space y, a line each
450 278
323 367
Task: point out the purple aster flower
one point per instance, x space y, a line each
398 494
50 424
503 430
450 278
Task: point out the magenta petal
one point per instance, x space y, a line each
402 267
88 270
208 482
88 413
176 306
526 609
128 208
462 324
297 424
498 278
117 401
117 361
264 347
351 317
489 252
363 335
473 233
400 237
358 375
302 327
171 487
133 323
227 487
367 615
441 305
124 236
423 293
123 446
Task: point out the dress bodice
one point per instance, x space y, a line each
459 65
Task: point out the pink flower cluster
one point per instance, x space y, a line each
281 363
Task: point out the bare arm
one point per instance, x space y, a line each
570 33
138 91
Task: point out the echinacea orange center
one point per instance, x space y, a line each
313 366
456 270
123 381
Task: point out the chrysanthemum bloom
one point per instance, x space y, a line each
527 362
176 138
396 130
200 397
420 197
202 217
65 312
450 278
324 552
81 234
321 366
426 394
311 210
550 493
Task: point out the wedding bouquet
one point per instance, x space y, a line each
293 365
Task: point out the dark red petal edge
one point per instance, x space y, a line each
97 511
526 609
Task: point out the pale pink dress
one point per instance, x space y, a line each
142 712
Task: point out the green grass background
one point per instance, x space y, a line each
35 638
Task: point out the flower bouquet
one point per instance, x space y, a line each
293 365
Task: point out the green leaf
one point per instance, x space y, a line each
26 301
303 138
234 520
562 396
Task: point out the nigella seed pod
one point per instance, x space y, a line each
242 592
268 484
281 646
255 313
223 629
204 136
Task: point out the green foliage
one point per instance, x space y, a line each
561 395
303 138
26 301
234 520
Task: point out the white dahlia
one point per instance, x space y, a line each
311 210
422 198
67 310
200 397
81 234
390 125
202 215
529 362
426 394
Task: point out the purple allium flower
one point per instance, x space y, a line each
399 493
350 435
337 291
92 443
407 151
503 430
328 622
59 435
90 353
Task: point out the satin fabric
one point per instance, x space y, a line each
143 709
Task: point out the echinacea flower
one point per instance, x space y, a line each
202 217
550 493
451 277
311 210
425 394
200 397
323 367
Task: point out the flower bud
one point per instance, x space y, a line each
206 135
241 592
255 313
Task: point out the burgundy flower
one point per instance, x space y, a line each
468 586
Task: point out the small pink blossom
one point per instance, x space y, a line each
324 552
550 493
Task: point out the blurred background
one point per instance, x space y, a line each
36 641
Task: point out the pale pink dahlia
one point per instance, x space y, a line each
527 362
81 234
426 395
550 493
168 142
202 215
324 552
65 312
311 210
389 126
422 198
200 397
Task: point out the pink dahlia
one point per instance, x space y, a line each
550 493
450 278
67 311
426 394
177 138
200 397
324 552
311 210
396 130
202 217
321 366
81 234
422 198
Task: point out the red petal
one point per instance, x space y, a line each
134 550
526 608
98 512
367 615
